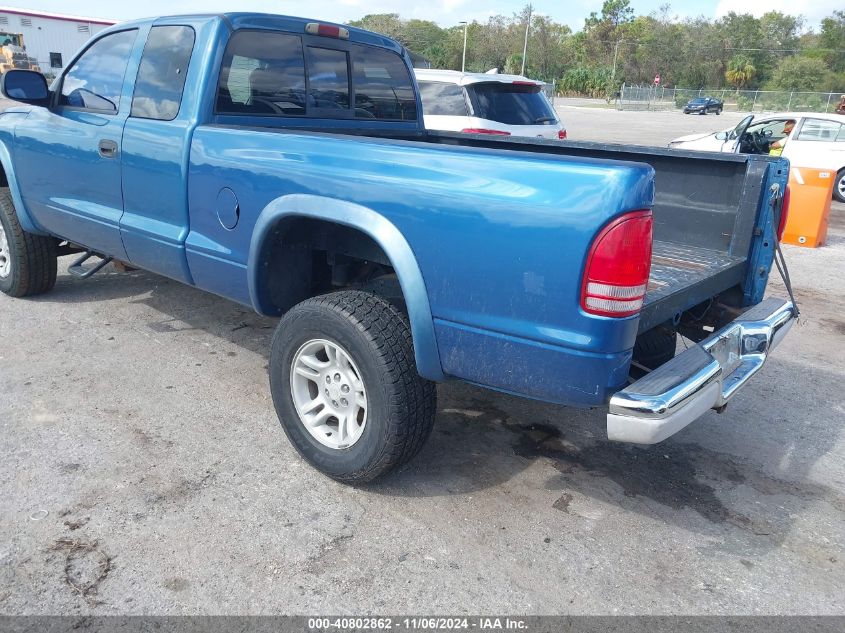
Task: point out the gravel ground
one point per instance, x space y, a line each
144 472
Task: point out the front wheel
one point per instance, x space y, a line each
718 111
839 186
345 385
27 261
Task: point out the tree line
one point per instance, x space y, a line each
773 52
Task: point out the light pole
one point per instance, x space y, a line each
525 45
464 58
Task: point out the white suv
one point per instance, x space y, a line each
480 103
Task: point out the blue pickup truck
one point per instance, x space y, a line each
283 163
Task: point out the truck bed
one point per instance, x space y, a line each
705 211
681 268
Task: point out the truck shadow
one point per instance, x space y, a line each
173 307
744 473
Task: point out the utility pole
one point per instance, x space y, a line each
525 45
464 59
615 55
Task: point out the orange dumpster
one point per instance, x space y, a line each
810 192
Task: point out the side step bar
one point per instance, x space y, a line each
78 270
703 377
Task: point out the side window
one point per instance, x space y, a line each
95 81
442 99
773 129
328 78
821 130
161 77
262 73
383 87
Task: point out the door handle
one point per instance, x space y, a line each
108 148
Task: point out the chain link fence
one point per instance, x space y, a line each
661 98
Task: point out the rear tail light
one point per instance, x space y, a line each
327 30
784 213
561 135
618 265
480 130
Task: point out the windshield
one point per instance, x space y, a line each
511 104
698 101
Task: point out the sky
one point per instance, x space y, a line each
444 12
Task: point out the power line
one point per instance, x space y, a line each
764 50
783 50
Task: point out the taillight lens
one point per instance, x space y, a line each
784 213
561 135
618 266
481 130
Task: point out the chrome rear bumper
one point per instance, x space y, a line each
703 377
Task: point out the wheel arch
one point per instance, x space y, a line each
376 227
8 179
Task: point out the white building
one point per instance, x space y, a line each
51 39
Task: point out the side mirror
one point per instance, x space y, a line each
722 136
26 86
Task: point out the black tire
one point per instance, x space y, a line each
31 258
839 186
655 347
401 405
718 111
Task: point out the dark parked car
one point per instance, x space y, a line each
703 105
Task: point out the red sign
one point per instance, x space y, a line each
657 79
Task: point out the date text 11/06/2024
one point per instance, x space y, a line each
433 623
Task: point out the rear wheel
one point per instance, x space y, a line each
345 385
839 186
27 261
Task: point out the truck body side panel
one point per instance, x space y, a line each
501 240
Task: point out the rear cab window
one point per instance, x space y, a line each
443 99
263 73
328 76
511 104
383 86
280 74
